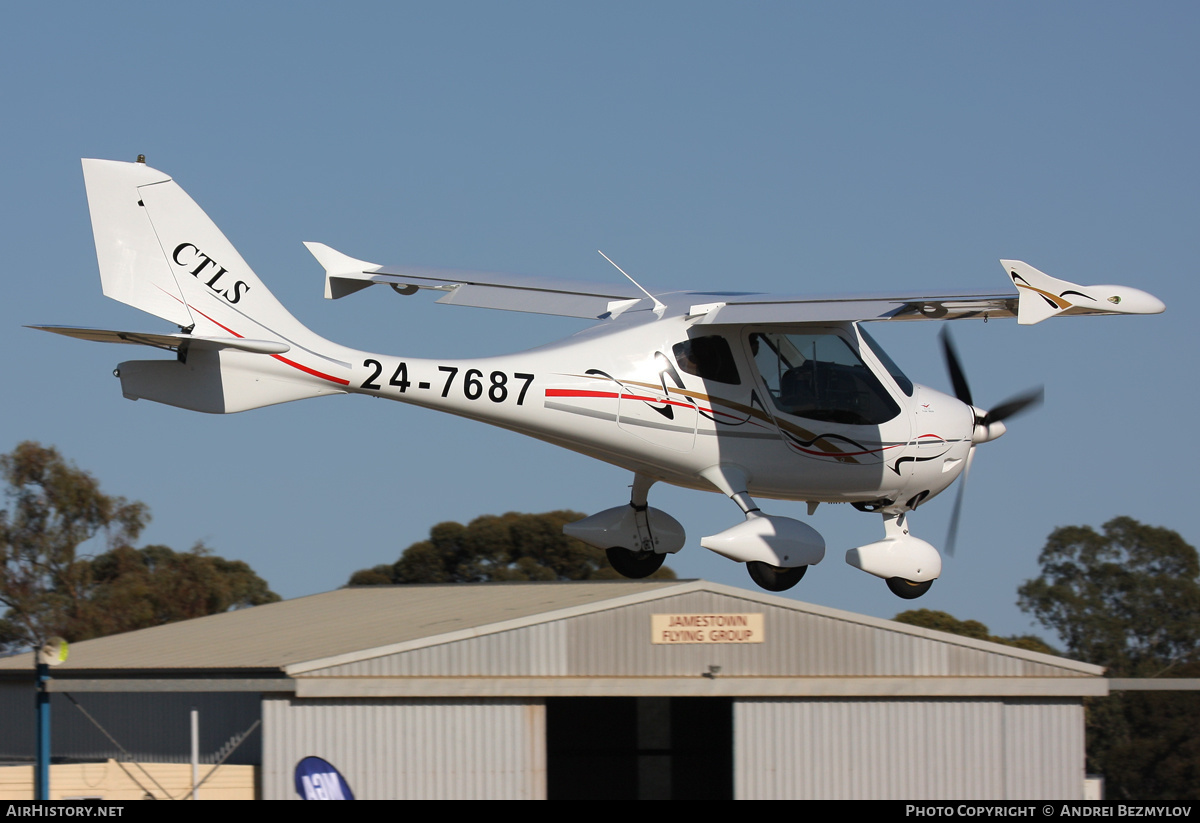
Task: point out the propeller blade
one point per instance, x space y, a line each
957 377
1015 405
1009 408
952 532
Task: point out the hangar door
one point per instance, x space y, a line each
649 748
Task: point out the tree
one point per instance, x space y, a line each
139 588
1146 744
55 508
50 586
491 548
1129 600
944 622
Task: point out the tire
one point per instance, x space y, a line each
908 589
632 564
775 578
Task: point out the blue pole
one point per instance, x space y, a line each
41 782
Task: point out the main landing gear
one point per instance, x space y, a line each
633 564
777 551
636 537
774 578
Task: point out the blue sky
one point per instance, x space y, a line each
787 147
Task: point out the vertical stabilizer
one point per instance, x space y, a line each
133 269
159 252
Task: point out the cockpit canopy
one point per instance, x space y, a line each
820 377
817 375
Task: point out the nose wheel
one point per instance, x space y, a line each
634 564
775 578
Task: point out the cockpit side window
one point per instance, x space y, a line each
709 358
820 377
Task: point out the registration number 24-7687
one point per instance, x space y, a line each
473 385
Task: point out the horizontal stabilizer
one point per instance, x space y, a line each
168 341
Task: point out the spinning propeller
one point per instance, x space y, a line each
988 424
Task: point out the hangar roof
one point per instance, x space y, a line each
278 635
516 638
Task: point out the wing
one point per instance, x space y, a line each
488 290
1034 297
840 308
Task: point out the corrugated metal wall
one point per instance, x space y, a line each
535 651
410 749
800 749
1044 749
616 643
908 749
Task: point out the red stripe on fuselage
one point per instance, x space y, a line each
280 358
579 393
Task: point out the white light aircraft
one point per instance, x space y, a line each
752 395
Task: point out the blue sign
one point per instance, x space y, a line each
317 779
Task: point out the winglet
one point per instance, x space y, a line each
343 274
1042 296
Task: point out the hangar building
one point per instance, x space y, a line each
613 689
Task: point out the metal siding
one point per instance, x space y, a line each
1044 749
536 651
541 629
410 749
616 643
907 749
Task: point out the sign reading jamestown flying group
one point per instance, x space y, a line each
706 628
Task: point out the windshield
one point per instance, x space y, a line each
820 377
901 379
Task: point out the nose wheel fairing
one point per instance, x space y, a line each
898 555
